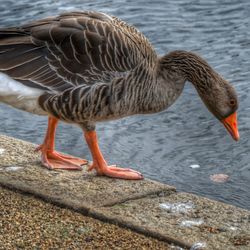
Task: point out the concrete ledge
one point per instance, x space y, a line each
148 207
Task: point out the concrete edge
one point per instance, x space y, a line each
96 214
139 229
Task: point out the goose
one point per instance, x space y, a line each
84 67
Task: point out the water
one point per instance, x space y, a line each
164 146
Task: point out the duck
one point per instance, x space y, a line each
85 67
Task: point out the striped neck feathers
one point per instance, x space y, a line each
217 94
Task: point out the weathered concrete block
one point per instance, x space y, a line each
191 219
149 207
20 168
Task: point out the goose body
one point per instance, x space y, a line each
86 67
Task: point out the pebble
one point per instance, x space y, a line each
198 245
13 168
190 223
177 207
2 151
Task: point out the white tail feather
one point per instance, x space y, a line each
19 96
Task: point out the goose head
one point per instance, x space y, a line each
217 94
221 100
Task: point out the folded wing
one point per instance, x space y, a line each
72 49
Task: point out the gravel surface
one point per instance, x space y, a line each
30 223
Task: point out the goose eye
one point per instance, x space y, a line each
232 102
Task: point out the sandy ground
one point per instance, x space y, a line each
30 223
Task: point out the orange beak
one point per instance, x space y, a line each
230 124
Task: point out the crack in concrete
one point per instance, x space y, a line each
162 191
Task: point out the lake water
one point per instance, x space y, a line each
164 146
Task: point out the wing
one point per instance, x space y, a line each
72 49
27 62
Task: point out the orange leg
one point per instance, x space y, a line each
55 160
100 165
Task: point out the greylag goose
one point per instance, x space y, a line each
86 67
